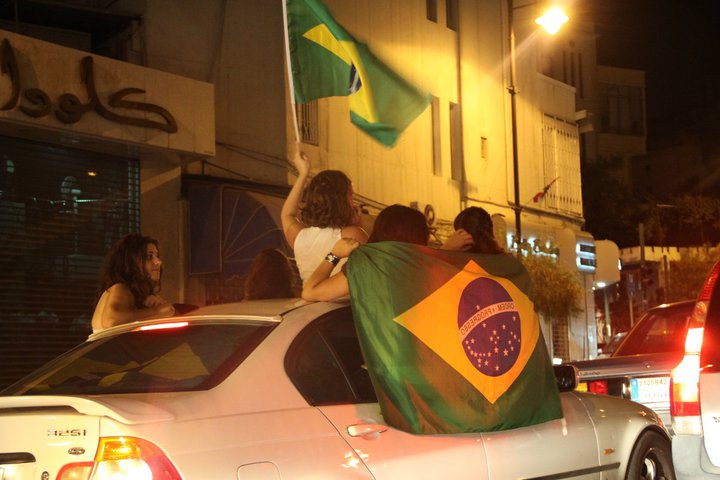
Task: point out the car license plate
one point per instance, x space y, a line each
650 390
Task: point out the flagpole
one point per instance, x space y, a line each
288 63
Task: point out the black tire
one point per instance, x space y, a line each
651 459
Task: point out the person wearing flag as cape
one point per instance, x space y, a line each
451 339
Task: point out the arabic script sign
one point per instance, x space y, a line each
69 108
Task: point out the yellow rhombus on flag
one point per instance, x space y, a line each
471 346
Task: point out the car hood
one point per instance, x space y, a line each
628 365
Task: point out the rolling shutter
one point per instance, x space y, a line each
60 212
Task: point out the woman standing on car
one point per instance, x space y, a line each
130 283
326 215
394 223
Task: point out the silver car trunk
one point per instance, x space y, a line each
44 433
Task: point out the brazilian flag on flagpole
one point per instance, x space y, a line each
327 61
451 339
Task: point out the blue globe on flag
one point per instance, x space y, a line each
489 327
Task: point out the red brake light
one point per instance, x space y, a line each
161 326
75 471
123 458
685 394
709 283
131 458
598 386
685 385
693 341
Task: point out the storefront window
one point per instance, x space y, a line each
60 212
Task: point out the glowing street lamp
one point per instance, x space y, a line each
551 21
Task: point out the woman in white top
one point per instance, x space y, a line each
326 215
130 284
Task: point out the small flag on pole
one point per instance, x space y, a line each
451 339
540 195
327 61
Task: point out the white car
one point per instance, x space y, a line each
695 390
278 390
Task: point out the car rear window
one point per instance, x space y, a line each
189 357
659 331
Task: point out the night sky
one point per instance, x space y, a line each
677 43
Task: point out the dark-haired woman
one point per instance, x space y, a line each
396 222
473 232
326 215
130 283
270 276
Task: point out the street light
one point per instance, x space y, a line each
551 21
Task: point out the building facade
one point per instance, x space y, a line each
197 154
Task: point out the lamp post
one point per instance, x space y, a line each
551 22
666 277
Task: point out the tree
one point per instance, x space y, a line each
557 291
700 213
610 208
686 276
557 295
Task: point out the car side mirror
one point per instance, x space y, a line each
566 377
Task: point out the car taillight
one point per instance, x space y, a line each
598 386
161 326
685 378
123 458
75 471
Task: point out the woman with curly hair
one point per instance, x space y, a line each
130 283
327 214
394 223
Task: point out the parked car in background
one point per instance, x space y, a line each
695 394
639 369
278 389
612 345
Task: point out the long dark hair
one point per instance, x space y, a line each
126 264
402 224
270 276
477 222
326 201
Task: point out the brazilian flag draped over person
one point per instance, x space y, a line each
451 339
327 61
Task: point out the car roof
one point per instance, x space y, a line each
680 304
271 311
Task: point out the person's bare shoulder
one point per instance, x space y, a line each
355 232
120 292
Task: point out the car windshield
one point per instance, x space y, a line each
660 331
186 357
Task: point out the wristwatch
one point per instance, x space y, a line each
332 258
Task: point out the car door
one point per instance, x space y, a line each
326 365
340 387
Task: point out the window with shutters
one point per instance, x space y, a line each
60 212
561 165
307 118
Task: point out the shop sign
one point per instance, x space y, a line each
68 108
